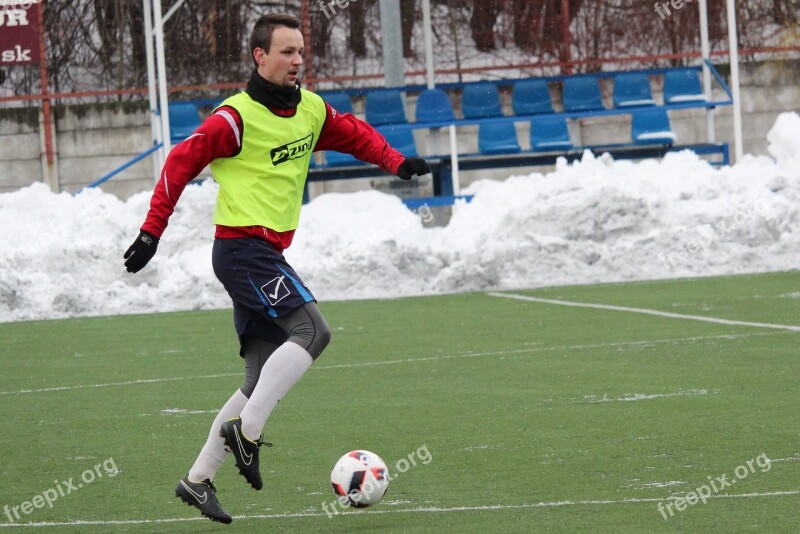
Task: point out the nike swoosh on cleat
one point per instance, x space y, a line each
246 458
201 499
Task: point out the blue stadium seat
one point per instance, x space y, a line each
531 97
385 107
682 85
480 100
340 159
338 101
184 119
498 138
632 90
651 127
401 139
434 105
582 93
549 133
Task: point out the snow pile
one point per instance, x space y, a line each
596 220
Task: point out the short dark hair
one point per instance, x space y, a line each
261 37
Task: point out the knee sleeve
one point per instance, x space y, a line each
255 352
306 327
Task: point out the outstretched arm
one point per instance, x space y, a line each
219 136
344 132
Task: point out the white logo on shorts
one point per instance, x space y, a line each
276 290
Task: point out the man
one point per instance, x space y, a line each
258 144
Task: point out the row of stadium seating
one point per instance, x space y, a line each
385 109
498 145
547 134
529 97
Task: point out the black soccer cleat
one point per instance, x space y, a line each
203 496
244 450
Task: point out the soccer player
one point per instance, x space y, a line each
258 144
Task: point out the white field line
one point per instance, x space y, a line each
111 384
795 458
646 311
419 510
635 397
691 339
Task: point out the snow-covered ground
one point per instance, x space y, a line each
596 220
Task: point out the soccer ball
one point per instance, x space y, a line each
361 478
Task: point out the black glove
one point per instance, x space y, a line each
140 252
412 166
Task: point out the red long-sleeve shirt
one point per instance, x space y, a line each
220 136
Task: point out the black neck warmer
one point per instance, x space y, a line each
272 96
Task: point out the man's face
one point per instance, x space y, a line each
281 64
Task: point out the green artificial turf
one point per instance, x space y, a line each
493 414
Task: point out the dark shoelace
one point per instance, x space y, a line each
262 443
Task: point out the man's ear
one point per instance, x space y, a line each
260 56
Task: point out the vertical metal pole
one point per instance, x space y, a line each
158 29
737 104
152 92
48 134
433 133
566 40
454 160
706 52
50 172
426 23
392 40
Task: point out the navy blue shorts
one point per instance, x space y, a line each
261 284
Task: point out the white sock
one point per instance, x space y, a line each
283 369
213 453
